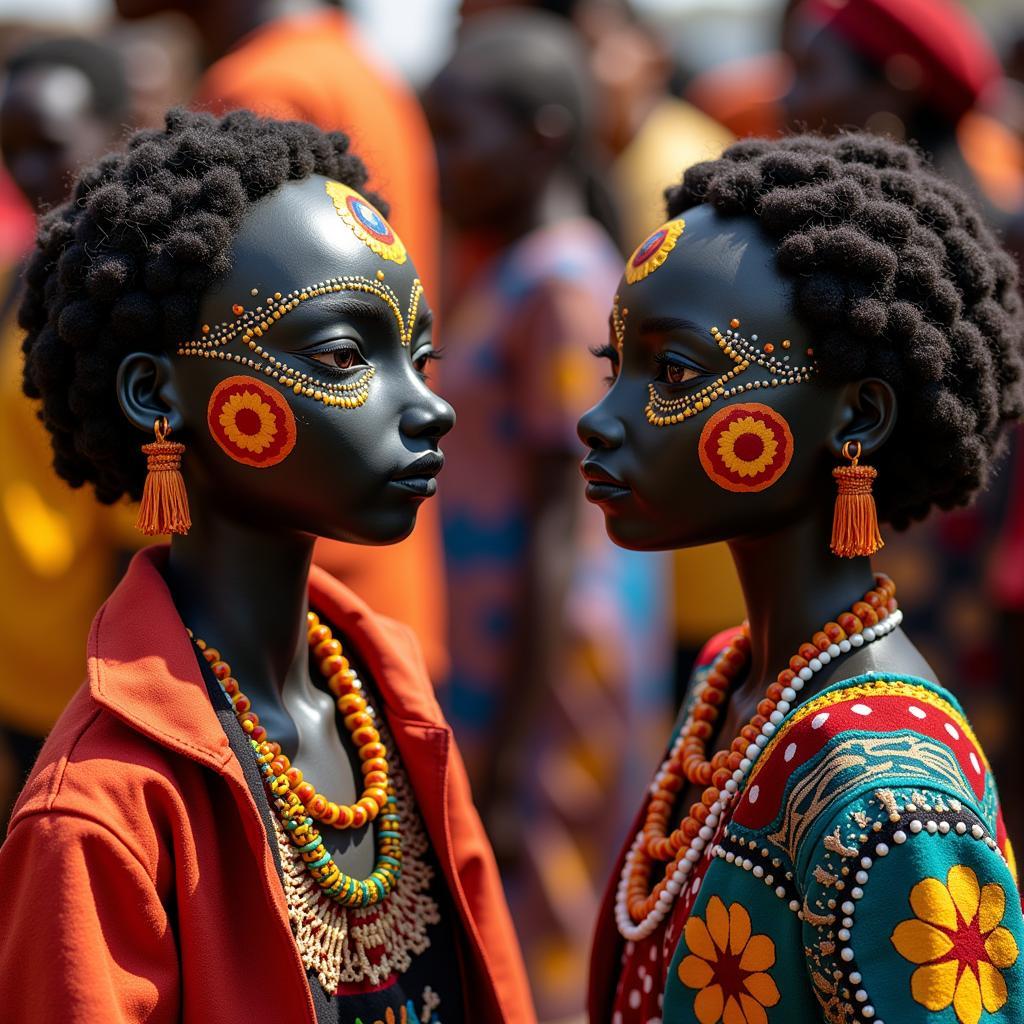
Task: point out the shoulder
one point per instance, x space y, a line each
862 734
573 253
94 768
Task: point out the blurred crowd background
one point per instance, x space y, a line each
523 148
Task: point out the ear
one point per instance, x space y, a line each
145 390
866 413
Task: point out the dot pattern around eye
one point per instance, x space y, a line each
744 352
250 325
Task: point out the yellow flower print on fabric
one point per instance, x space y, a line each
248 421
747 446
728 966
957 938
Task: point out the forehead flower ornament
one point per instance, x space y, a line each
653 251
366 222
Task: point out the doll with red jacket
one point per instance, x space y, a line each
253 808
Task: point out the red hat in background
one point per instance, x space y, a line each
942 52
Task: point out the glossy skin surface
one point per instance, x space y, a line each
350 456
719 270
651 485
239 578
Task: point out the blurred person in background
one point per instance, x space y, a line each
63 102
912 69
556 637
922 70
306 61
648 134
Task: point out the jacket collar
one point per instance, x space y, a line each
143 667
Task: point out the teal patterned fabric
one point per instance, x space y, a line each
864 876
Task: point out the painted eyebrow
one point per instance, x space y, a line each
348 306
664 324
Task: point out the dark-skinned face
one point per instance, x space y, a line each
650 480
48 131
340 478
487 159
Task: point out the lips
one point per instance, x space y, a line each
602 485
426 467
419 476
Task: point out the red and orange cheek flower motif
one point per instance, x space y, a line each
746 447
251 421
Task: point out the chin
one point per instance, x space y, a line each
638 534
375 531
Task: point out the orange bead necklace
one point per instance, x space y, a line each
348 692
639 908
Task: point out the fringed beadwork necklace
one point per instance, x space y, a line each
363 945
286 786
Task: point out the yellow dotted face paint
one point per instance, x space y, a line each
653 251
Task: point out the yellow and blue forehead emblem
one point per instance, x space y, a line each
653 251
366 222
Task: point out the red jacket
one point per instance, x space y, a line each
137 882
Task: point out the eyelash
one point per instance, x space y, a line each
609 353
667 362
342 349
431 356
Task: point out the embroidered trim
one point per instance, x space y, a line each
877 688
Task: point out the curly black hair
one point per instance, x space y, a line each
895 276
123 265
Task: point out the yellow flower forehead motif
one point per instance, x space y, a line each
366 222
653 251
957 938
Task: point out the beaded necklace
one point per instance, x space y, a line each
640 909
290 794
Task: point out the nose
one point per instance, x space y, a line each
599 429
430 417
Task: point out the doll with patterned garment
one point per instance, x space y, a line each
823 335
253 808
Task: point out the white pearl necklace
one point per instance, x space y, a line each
633 932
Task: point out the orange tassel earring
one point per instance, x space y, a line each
164 507
855 526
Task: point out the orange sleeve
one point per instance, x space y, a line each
86 937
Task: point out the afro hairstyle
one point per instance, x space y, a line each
896 277
123 265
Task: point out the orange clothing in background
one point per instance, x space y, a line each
59 558
139 883
316 68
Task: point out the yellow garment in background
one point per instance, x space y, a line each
59 555
676 135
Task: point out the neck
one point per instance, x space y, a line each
792 585
243 589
